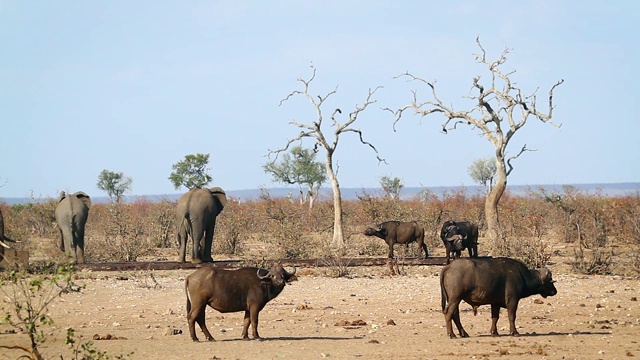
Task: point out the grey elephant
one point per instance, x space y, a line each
72 212
3 238
196 217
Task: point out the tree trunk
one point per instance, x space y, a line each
338 239
491 203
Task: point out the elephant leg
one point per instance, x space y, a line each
61 245
67 240
208 242
182 237
79 254
197 234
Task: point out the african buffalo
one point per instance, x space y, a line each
246 289
398 232
500 282
458 235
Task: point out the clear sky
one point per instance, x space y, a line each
134 86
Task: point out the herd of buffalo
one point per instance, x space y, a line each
499 282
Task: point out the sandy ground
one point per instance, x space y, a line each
367 315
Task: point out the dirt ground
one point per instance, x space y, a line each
366 315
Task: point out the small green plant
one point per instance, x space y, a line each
86 350
29 297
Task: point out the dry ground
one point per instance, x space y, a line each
592 317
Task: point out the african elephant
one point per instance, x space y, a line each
196 217
3 238
72 212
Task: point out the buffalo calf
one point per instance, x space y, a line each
246 289
499 282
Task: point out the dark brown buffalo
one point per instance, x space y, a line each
499 282
398 232
246 289
458 235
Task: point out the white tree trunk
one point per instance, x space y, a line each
492 200
338 238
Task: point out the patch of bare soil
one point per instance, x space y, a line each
368 315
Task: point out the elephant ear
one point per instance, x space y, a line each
62 196
220 194
82 196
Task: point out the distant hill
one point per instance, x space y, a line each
612 190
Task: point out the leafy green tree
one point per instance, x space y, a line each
192 172
299 168
391 186
483 171
114 184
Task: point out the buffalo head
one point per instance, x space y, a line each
381 232
546 283
277 274
455 242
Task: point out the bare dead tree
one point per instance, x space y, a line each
501 110
328 140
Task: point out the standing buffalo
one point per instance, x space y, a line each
398 232
458 235
500 282
246 289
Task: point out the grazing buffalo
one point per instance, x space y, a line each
500 282
246 289
458 235
398 232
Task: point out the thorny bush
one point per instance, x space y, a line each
532 226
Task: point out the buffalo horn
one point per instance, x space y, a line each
545 274
260 276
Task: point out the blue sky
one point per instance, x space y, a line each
134 86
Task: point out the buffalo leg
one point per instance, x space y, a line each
512 307
456 320
451 312
495 315
254 322
390 251
473 251
245 325
201 322
426 251
197 314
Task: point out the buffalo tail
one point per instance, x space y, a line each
186 291
443 294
